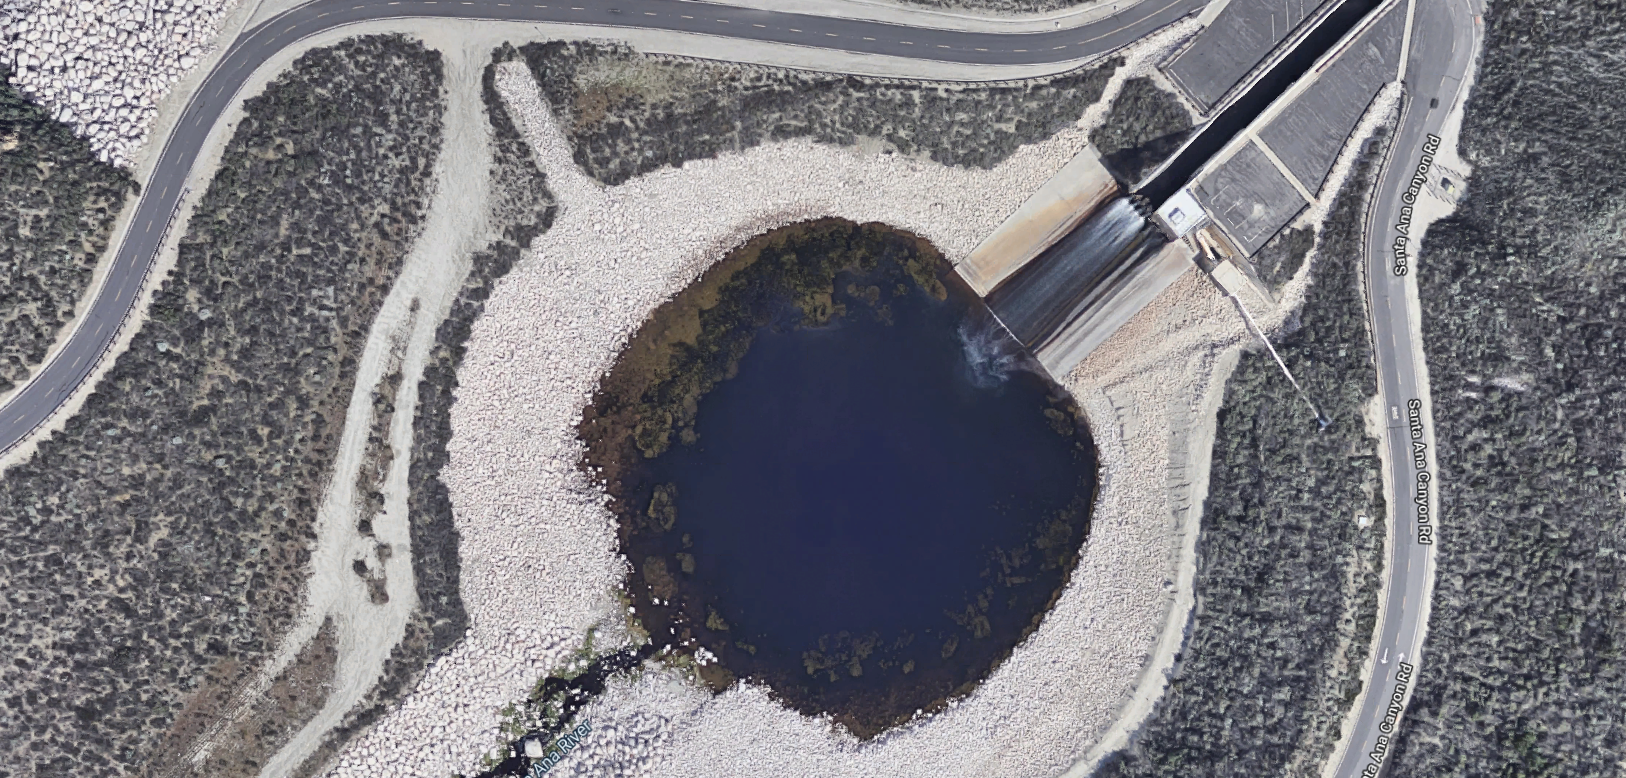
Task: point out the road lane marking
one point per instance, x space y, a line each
868 38
1058 48
763 26
832 35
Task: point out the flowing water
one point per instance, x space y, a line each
1075 273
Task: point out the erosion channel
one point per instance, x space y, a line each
834 475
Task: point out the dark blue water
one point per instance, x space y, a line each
855 477
831 468
873 512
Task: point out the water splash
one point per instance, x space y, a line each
990 352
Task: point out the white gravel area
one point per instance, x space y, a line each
538 546
101 66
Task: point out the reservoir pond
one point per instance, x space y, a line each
834 472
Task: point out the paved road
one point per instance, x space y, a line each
38 400
1444 41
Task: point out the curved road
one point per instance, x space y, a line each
1444 35
34 405
1444 40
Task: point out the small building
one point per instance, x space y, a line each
1180 215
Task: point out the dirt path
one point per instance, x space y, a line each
401 339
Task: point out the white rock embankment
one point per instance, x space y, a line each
538 547
101 66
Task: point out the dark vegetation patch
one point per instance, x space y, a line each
554 704
626 114
156 548
1287 581
1145 125
1282 256
1523 673
523 208
296 695
59 208
822 274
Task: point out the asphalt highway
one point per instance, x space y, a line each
37 401
1444 40
1444 36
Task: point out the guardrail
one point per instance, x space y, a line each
118 331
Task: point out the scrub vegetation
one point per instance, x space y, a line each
1523 674
626 113
60 204
1145 125
1282 256
522 208
156 549
1287 579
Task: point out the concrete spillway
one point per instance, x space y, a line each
1073 294
1056 209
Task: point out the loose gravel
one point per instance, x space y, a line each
540 565
103 65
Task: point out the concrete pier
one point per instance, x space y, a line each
1076 190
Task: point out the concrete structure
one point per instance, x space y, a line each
1249 197
1053 211
1239 40
1277 166
1119 298
1180 215
1308 134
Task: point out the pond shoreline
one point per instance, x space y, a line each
812 282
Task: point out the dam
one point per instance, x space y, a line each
1083 255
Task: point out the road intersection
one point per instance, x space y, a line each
1443 39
